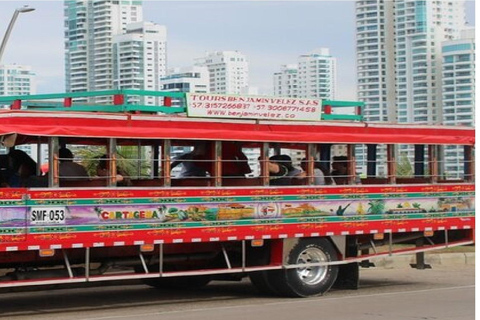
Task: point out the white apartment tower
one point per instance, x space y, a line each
139 58
458 77
285 82
187 79
16 80
317 75
314 77
399 57
399 60
228 71
90 27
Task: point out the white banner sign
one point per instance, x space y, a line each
250 107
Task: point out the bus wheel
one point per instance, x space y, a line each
309 280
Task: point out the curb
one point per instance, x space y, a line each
434 259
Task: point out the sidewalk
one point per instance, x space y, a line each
433 259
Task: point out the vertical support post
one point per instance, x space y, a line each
244 255
351 166
112 162
468 165
218 164
371 160
358 110
87 264
420 257
160 260
16 105
67 102
53 162
327 109
167 178
391 164
264 165
419 159
118 99
432 163
312 150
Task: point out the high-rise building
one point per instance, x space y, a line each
228 71
285 82
90 28
399 57
188 79
139 59
17 80
317 75
314 76
458 90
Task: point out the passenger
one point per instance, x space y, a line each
340 170
20 168
235 162
319 176
282 171
69 169
194 163
104 172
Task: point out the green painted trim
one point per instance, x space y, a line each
341 117
343 104
255 199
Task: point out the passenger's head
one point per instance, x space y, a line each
340 164
102 167
65 154
282 159
20 162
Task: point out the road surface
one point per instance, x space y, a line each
443 293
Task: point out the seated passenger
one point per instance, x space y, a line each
319 176
281 170
69 169
340 170
194 163
234 161
20 168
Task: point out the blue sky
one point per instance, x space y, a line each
270 33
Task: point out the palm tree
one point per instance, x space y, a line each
376 207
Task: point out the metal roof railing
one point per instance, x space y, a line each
116 101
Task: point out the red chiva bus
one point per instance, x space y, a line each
180 190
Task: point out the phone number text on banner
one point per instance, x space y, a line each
249 107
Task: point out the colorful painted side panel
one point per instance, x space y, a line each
91 216
13 215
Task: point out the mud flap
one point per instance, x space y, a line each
348 277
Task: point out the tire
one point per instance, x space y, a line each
308 281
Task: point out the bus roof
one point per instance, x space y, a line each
150 126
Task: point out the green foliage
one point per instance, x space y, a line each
404 167
127 160
376 207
